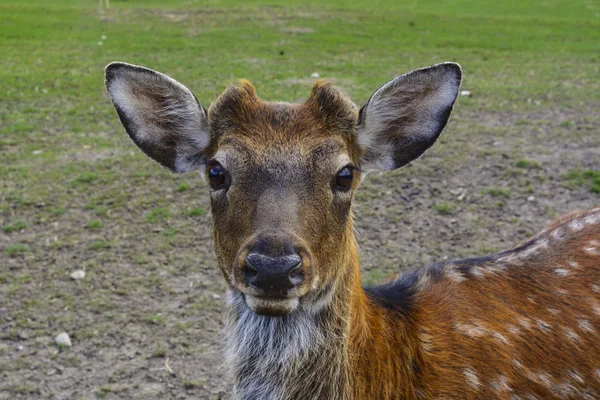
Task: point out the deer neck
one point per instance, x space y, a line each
302 355
312 352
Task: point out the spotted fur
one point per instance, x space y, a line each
520 324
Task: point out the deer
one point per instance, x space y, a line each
519 324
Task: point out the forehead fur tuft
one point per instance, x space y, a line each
240 110
238 104
332 107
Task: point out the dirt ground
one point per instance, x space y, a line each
146 321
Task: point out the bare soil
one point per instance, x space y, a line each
146 322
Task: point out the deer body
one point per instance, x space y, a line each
521 324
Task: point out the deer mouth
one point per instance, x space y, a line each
271 306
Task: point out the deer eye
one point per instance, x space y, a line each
343 179
216 176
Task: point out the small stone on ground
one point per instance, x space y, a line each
63 339
78 274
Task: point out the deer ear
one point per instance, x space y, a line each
162 116
405 116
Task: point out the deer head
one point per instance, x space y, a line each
282 176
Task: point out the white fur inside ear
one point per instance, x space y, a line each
407 115
160 113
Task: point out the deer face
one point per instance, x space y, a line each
281 176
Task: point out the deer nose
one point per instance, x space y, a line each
273 276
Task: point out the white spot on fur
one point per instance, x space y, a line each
513 329
525 323
544 378
453 273
497 267
534 248
500 385
570 333
576 377
471 330
565 390
593 250
500 337
574 264
472 378
561 271
585 325
598 374
592 219
592 247
596 288
517 363
479 271
576 225
558 234
553 311
544 326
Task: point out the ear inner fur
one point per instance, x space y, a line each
161 116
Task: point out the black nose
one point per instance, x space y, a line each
274 276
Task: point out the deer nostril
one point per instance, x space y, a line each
250 271
273 275
296 275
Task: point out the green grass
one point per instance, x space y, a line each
98 245
587 178
157 214
158 352
56 121
182 187
498 192
86 177
189 384
15 226
156 319
528 164
66 159
59 211
95 224
445 207
15 249
194 212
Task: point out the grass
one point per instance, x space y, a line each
588 178
15 249
157 214
67 161
15 226
86 177
182 187
98 245
195 212
445 207
498 191
95 224
528 164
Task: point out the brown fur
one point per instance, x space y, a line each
521 324
426 353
